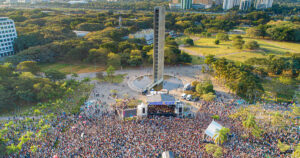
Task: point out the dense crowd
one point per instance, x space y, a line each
98 132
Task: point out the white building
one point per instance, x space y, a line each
8 34
11 1
77 2
147 34
228 4
262 4
24 1
245 4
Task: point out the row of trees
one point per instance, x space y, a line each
23 85
286 66
55 42
280 30
238 78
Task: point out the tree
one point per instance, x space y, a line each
110 71
55 75
222 37
250 122
215 150
221 135
209 59
114 60
251 125
238 42
188 42
253 32
282 146
215 117
97 56
28 66
89 27
296 152
252 45
217 41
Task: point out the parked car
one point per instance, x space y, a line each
196 99
187 87
189 97
183 96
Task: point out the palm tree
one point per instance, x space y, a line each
251 125
250 122
221 135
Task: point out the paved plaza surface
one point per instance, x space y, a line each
186 73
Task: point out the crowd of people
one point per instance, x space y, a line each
98 132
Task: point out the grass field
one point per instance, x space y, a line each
114 79
72 68
197 60
206 46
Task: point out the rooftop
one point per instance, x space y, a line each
3 18
161 99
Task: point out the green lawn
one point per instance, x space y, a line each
114 79
206 46
72 68
197 60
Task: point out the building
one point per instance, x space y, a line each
24 1
8 34
263 4
186 4
236 3
78 2
162 105
81 33
11 1
218 2
228 4
147 34
201 4
159 44
174 6
245 4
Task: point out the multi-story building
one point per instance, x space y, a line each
8 34
175 1
245 4
186 4
228 4
236 2
24 1
262 4
11 1
202 4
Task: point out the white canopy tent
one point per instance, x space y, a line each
168 154
212 129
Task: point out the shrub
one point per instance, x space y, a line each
222 37
252 45
188 42
217 41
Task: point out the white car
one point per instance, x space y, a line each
189 97
183 96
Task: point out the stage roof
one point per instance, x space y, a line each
161 99
213 128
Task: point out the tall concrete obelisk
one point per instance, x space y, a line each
159 44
